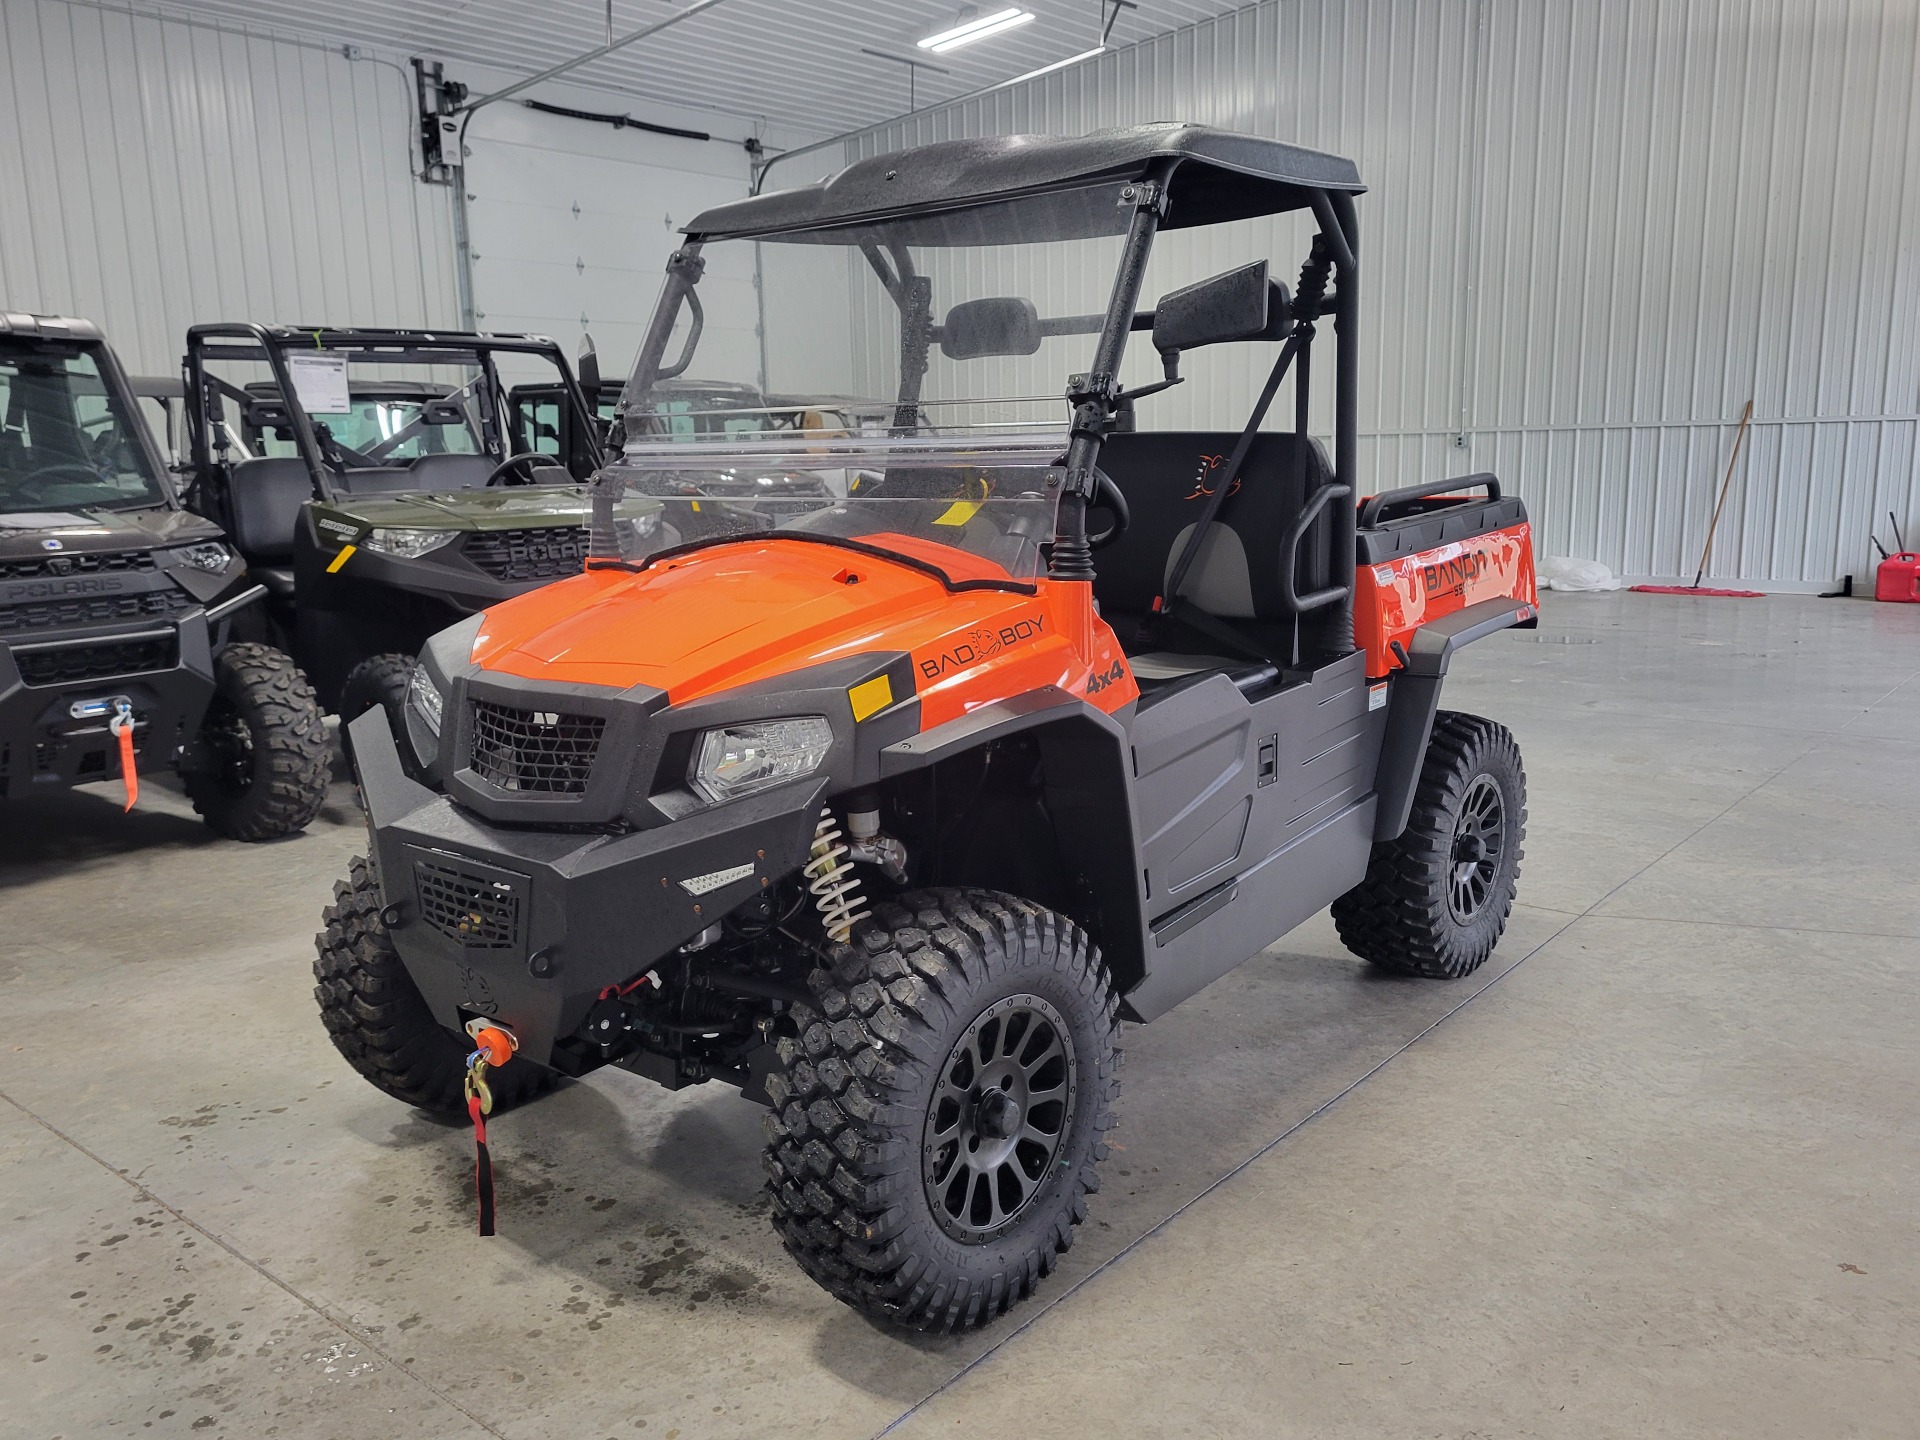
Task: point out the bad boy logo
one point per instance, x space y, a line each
1203 475
983 642
477 994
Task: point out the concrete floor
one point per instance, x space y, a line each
1654 1171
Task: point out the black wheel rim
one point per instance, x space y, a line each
1479 842
999 1118
229 743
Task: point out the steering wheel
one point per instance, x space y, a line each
1107 495
521 461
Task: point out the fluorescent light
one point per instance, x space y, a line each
1058 65
973 30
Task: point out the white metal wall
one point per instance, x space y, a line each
1597 227
156 172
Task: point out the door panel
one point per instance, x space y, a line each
1193 788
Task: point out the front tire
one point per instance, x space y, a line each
266 762
1435 899
380 1022
939 1119
380 681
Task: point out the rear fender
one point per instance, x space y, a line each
1413 698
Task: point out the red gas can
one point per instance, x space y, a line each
1898 578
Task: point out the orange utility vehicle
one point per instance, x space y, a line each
886 798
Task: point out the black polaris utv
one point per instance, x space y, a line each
117 609
372 480
886 810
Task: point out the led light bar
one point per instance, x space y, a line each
1059 65
980 29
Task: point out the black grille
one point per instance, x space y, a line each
92 610
95 662
54 566
481 913
530 554
536 751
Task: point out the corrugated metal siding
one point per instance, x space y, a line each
1595 230
159 173
795 62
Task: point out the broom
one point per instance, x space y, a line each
1707 549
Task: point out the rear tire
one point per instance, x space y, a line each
265 743
1435 900
380 681
378 1019
896 1186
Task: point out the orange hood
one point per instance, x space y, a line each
729 615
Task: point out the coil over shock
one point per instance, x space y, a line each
832 882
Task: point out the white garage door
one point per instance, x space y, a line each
572 224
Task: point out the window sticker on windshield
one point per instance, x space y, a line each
958 513
320 382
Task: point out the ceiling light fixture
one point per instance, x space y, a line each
997 23
1059 65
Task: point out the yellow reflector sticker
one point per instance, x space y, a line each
958 513
871 696
346 552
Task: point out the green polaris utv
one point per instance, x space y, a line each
375 482
124 645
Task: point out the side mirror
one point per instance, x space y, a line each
1003 325
1240 304
588 366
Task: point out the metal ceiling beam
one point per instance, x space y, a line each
577 61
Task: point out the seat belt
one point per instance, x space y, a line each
1163 604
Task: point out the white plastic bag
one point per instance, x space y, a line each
1559 572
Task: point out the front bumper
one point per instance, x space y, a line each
166 676
529 926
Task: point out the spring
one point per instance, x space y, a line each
834 885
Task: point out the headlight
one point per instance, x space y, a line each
757 754
425 708
406 544
208 556
425 700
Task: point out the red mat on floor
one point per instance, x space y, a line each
1698 590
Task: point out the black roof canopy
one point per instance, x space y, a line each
1011 188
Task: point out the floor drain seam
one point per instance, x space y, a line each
345 1327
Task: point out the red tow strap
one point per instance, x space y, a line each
482 1165
496 1047
122 727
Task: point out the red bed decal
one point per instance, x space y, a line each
1393 599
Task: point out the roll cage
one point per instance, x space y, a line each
209 434
1133 182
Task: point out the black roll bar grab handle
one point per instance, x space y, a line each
1290 555
1370 511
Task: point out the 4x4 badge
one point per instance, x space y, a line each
1113 676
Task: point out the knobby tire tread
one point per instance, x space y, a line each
843 1151
1397 917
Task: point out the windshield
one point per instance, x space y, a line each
980 515
392 428
390 411
67 441
941 327
900 387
